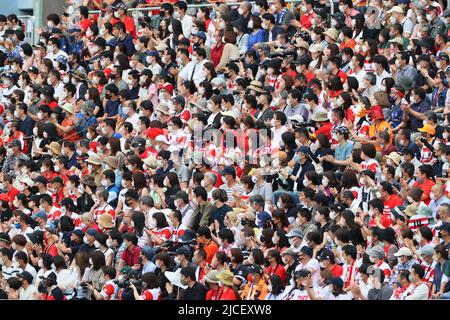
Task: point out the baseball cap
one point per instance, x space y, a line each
426 251
26 275
79 233
183 250
295 232
92 232
376 251
4 237
290 252
179 99
428 128
307 250
404 251
254 268
445 226
200 34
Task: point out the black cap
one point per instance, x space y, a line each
26 275
254 268
307 250
4 237
183 250
36 237
48 90
40 179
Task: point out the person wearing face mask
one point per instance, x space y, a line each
379 291
418 290
438 198
102 201
376 256
89 241
14 154
54 51
122 37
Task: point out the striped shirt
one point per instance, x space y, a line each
429 271
418 221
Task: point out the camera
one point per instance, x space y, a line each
125 283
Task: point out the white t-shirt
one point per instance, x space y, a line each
314 266
28 293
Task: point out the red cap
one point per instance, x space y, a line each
152 133
168 87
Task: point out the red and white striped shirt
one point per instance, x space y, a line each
426 156
177 233
429 271
418 221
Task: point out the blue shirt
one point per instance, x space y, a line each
343 152
421 107
253 38
396 116
112 107
262 218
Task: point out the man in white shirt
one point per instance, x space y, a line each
357 69
180 8
53 51
182 205
278 123
419 289
193 71
130 112
309 263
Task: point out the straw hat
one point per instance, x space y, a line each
94 159
55 147
68 107
163 108
395 157
105 221
256 86
112 162
332 33
212 276
226 277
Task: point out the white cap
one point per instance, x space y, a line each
403 252
162 138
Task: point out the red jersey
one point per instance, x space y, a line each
426 187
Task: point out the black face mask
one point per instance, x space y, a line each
227 75
108 96
162 13
13 100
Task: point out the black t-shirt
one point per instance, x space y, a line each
197 292
5 215
26 126
86 248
